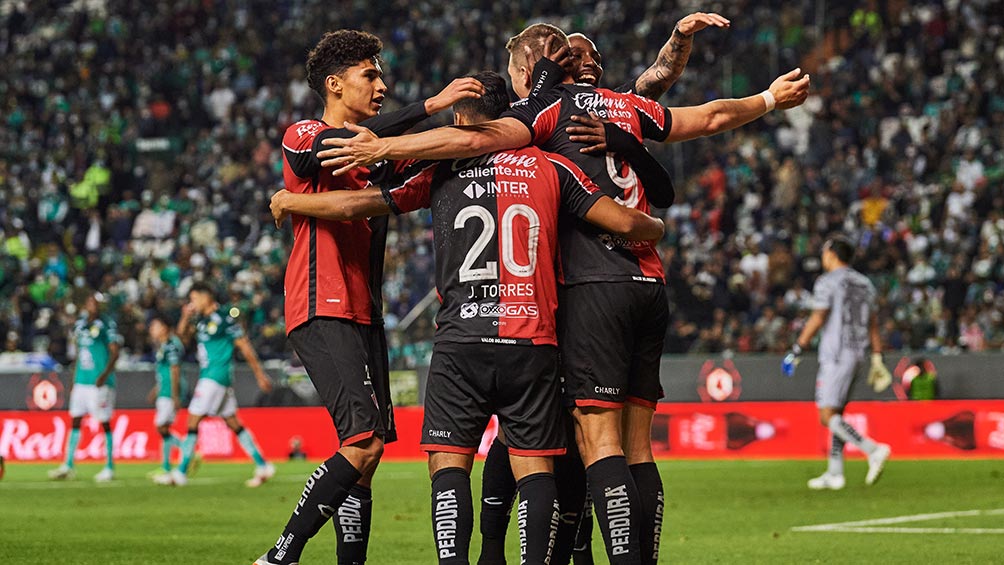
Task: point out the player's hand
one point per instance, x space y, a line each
278 207
697 21
102 379
791 360
554 50
878 376
177 403
348 153
188 310
265 383
590 132
151 397
789 90
459 89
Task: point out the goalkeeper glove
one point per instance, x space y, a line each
791 360
878 376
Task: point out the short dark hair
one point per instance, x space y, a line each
337 51
204 288
159 317
533 37
841 247
492 103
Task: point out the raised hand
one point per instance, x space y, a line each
789 90
555 50
697 21
459 89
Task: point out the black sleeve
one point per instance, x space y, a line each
653 176
384 125
546 75
627 87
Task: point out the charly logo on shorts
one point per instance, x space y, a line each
469 310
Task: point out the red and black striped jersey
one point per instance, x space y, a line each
335 269
587 253
495 225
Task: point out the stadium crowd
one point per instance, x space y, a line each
140 145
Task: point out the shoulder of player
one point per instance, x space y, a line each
299 137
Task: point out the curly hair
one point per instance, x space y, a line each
337 51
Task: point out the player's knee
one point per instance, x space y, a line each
366 454
75 423
106 427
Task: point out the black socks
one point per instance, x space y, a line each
452 515
618 508
498 490
325 490
537 518
352 525
649 485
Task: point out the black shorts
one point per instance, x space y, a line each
611 337
468 382
347 362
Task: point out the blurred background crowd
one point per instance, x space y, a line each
140 145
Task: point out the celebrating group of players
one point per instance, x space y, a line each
545 265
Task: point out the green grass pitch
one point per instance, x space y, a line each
717 512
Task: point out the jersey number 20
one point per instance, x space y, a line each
468 272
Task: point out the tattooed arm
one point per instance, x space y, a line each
673 56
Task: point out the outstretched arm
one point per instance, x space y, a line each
787 91
628 223
673 56
338 205
452 142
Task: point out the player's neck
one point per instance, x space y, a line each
336 114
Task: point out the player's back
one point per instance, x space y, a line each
589 254
851 299
495 224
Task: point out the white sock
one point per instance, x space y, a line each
846 432
835 463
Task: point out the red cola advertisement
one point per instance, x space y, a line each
740 430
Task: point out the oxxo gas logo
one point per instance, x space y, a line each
527 310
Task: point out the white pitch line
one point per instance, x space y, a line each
880 530
867 526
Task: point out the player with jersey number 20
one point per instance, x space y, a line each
495 224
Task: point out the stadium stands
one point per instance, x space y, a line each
140 145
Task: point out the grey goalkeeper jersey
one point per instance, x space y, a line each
850 298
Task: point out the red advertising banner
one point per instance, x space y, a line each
741 430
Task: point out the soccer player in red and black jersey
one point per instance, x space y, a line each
333 303
496 223
611 375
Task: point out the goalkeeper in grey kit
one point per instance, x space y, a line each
843 307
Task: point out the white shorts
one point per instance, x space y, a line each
98 402
165 411
212 399
834 381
